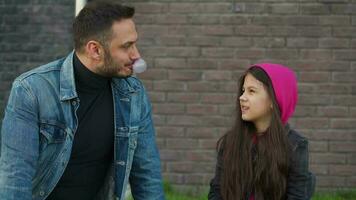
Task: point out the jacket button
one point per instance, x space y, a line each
42 193
121 163
74 103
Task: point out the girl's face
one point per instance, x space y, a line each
256 104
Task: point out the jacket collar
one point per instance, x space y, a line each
68 91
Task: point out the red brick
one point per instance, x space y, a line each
200 156
302 20
250 53
181 143
287 31
154 74
184 75
236 41
317 54
216 75
320 65
202 63
159 120
183 97
319 169
332 111
170 131
344 32
313 77
204 19
217 98
331 181
302 42
183 7
218 30
318 146
329 158
171 40
343 8
217 52
183 120
335 20
314 8
201 109
343 123
346 100
333 89
233 64
168 108
171 19
170 63
251 30
284 8
204 86
207 143
202 40
156 97
172 155
216 121
251 7
343 146
227 110
313 122
182 51
305 111
233 19
169 86
269 20
202 132
345 54
333 43
314 31
283 54
150 7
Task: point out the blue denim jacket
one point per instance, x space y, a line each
39 126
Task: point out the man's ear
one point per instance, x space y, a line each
94 50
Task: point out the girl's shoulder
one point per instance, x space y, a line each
296 139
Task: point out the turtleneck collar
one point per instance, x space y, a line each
87 80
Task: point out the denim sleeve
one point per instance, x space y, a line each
19 144
301 182
214 192
145 176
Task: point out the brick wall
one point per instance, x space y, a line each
31 33
196 50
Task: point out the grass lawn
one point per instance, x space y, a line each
337 195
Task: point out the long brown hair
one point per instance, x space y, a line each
263 172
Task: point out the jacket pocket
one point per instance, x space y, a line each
50 135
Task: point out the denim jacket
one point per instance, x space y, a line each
300 182
39 126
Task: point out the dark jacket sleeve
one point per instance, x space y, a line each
214 192
301 182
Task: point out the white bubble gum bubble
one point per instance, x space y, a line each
139 66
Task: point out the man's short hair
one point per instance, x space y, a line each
95 20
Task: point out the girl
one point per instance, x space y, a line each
261 158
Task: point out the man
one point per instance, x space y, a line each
81 127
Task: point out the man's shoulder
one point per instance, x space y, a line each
41 71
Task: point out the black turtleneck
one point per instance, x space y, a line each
93 144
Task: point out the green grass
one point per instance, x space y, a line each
171 194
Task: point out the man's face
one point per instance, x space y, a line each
121 52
